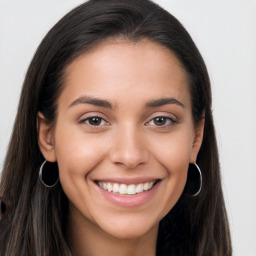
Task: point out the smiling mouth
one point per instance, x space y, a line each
124 189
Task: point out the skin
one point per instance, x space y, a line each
128 142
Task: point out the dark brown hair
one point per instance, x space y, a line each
34 223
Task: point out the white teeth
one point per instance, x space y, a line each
104 186
124 189
139 188
131 189
109 186
146 186
115 188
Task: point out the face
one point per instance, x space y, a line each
123 137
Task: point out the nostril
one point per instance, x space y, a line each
129 148
129 157
130 163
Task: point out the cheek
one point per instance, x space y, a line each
77 156
173 153
77 153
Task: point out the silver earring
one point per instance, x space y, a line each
49 174
194 180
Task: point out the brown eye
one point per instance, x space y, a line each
159 121
95 121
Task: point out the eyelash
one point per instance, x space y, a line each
168 121
88 119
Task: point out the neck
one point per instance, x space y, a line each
86 238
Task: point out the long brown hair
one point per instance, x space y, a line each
34 222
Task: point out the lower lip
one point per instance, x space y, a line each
129 200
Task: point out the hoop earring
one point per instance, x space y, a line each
194 180
49 174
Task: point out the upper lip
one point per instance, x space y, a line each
127 180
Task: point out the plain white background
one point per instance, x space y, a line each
225 33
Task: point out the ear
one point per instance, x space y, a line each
199 133
45 133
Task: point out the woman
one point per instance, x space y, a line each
113 124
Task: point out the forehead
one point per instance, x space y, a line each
119 48
125 67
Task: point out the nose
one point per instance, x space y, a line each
129 148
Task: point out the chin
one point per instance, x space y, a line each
129 229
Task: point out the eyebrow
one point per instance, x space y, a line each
106 104
163 101
92 101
